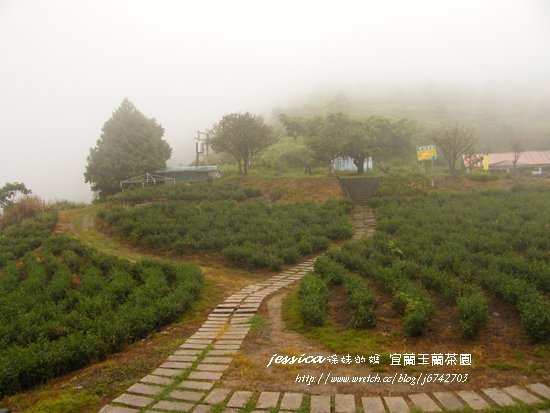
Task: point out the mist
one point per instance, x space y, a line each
67 65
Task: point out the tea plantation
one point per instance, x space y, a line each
463 247
250 234
64 305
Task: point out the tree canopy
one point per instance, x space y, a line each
454 140
243 136
337 134
9 192
130 144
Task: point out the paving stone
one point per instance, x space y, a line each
448 400
156 380
173 406
521 394
194 346
182 358
167 372
202 408
217 396
116 409
145 389
239 399
344 403
320 404
217 360
499 397
229 342
424 402
205 375
223 310
132 400
196 385
230 411
204 336
373 405
187 352
226 347
198 341
233 337
473 399
268 400
222 352
540 389
396 404
193 396
291 401
175 365
212 367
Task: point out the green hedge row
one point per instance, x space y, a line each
360 299
410 299
183 191
69 305
16 240
313 296
250 234
495 239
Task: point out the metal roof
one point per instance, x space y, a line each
175 169
527 158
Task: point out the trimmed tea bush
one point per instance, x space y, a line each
313 300
69 305
249 234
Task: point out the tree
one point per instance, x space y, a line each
517 148
243 136
130 144
454 140
390 139
358 145
325 136
9 192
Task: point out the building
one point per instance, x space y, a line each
345 163
191 173
537 162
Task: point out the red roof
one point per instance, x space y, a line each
527 158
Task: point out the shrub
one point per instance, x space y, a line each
329 270
482 177
26 207
313 300
361 302
250 234
54 319
474 313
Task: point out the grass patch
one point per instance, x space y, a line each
258 323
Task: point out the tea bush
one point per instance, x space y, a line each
69 305
249 234
462 242
313 300
183 191
18 239
360 299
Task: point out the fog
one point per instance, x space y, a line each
66 65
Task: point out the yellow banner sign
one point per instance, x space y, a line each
426 153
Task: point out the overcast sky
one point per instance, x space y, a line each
66 65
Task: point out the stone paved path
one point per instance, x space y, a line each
186 381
